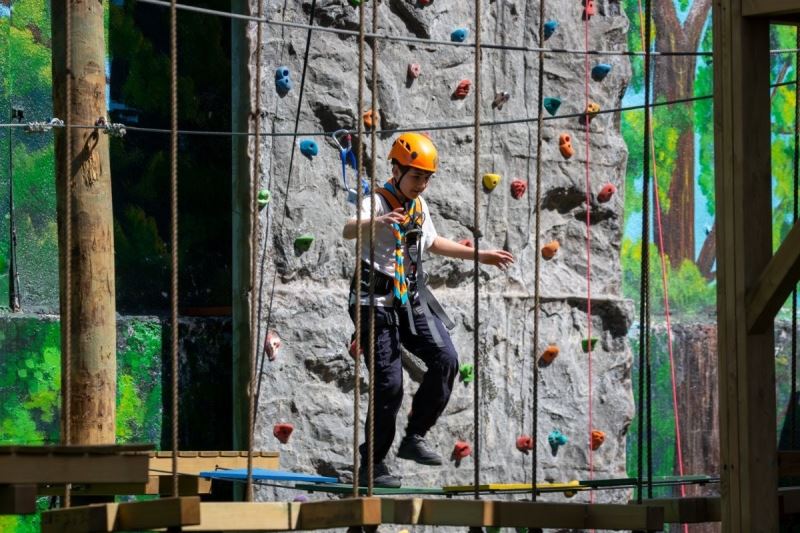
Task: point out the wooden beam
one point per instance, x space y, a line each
689 510
246 516
156 485
775 284
17 499
80 464
132 516
766 8
339 513
195 462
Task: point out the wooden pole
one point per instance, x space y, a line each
93 328
744 247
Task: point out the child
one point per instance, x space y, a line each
406 313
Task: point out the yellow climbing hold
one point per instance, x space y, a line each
490 181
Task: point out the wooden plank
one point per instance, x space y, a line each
788 463
165 512
162 463
769 7
775 283
17 499
52 468
246 516
744 237
157 485
98 518
789 501
339 513
689 510
95 449
477 513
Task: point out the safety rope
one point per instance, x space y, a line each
796 163
13 268
588 187
476 239
255 332
372 184
173 53
418 40
265 241
537 260
66 382
359 248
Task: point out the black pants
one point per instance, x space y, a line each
391 331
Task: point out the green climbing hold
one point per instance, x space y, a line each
492 529
303 242
552 105
467 372
588 344
264 196
355 3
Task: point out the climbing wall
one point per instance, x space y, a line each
310 382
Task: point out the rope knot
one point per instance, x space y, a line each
113 129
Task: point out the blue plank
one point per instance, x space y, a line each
261 474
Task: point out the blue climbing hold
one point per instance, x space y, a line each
459 35
552 105
550 28
556 439
309 148
283 83
600 71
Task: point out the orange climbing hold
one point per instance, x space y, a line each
565 145
370 120
271 345
525 444
518 188
606 193
549 250
462 90
282 432
467 243
550 353
461 450
598 438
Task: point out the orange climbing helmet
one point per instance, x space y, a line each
415 150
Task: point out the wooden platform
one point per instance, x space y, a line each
156 485
73 464
195 462
135 516
689 510
17 499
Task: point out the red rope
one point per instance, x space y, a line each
665 286
588 187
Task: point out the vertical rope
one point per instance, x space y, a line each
537 255
173 49
359 248
793 404
66 382
373 156
13 272
644 291
255 178
476 391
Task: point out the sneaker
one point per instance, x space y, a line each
414 448
381 477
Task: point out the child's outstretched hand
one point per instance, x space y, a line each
397 216
499 258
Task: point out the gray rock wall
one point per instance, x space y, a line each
310 384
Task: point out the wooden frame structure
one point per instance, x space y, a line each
751 282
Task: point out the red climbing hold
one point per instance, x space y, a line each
461 451
518 188
549 250
467 243
565 145
282 432
606 193
589 9
462 90
271 345
414 70
550 353
598 438
352 349
525 444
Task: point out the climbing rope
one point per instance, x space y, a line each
173 178
796 163
537 260
66 384
476 239
255 332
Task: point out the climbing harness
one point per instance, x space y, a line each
344 141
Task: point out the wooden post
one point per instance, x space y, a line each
93 330
744 247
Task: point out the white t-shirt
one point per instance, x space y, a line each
384 243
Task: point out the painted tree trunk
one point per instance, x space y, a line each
93 328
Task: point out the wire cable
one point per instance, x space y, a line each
67 295
173 52
476 257
796 171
